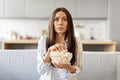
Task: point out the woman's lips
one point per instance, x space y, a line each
59 28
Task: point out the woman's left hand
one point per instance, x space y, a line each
69 67
59 65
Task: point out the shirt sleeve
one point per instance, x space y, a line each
42 66
78 63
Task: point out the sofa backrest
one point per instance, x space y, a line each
98 66
21 65
18 65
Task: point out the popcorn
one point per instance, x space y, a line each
61 57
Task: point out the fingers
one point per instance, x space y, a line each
58 47
59 65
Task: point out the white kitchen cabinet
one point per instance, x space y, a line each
2 8
39 8
14 8
92 8
44 8
70 5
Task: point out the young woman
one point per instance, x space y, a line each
60 38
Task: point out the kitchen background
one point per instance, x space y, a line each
93 19
33 28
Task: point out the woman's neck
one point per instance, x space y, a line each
60 38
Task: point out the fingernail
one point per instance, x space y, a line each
63 50
66 50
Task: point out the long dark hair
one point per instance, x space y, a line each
69 37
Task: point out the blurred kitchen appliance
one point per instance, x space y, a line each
43 32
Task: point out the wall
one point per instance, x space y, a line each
29 27
115 21
0 44
32 27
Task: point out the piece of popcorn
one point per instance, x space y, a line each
61 57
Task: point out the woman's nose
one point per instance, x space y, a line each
60 21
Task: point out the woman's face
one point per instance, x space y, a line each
60 23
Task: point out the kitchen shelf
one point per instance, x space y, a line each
20 44
91 45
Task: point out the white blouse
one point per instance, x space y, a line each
48 72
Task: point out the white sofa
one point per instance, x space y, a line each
21 65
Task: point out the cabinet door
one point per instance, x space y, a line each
1 8
14 8
71 5
92 8
39 8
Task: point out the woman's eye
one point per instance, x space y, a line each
65 19
56 19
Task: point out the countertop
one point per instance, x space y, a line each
87 45
35 41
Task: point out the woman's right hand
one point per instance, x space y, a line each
57 47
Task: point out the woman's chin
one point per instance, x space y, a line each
60 32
